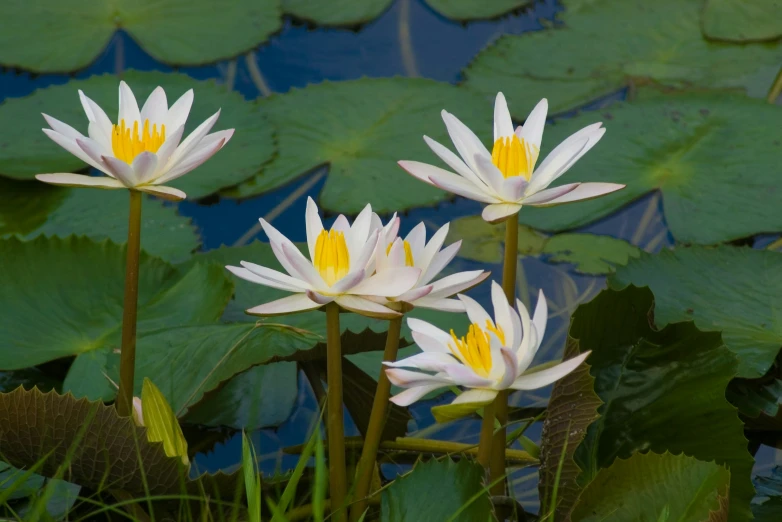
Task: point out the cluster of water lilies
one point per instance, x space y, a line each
365 267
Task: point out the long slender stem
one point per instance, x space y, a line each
501 402
377 421
487 435
127 364
336 429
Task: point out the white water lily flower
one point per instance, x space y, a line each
506 178
341 268
394 252
143 150
494 355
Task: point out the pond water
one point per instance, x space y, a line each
437 48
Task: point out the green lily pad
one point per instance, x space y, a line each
360 129
336 12
650 45
30 209
464 10
261 397
63 297
736 291
714 158
645 486
438 490
742 20
195 33
663 390
26 151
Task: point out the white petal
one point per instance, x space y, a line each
492 175
475 396
286 305
185 165
529 345
276 239
475 312
313 224
169 193
564 155
366 256
411 395
430 250
144 165
297 285
510 363
98 136
502 311
177 114
193 139
532 131
80 180
155 109
169 146
414 294
447 181
430 330
120 170
319 298
465 376
416 238
456 283
128 107
428 343
347 283
365 307
407 378
426 361
453 161
389 283
93 149
540 317
503 126
465 140
100 124
210 139
545 196
62 128
358 233
248 275
583 191
513 188
536 380
302 265
444 305
440 261
72 147
499 211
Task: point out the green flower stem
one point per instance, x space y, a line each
501 402
487 435
127 365
377 421
336 434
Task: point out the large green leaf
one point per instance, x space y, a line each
733 290
594 56
645 486
26 151
361 128
174 31
30 209
63 297
742 20
663 390
712 156
336 12
471 10
438 490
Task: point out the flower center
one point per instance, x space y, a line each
127 143
514 157
332 259
474 349
409 261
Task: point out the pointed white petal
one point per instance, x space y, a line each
503 126
72 147
476 396
430 250
411 395
98 136
462 375
358 233
546 195
155 109
583 191
347 283
418 326
293 284
444 305
248 275
302 265
532 131
314 226
453 161
185 165
499 211
169 146
389 283
63 128
413 295
475 312
177 114
492 175
513 188
193 139
79 180
100 124
533 381
564 155
428 343
540 317
319 298
417 240
120 170
286 305
456 283
502 311
168 193
465 140
440 261
528 346
365 307
144 166
366 256
426 361
510 364
407 378
128 107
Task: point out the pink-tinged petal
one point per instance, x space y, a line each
427 343
456 283
476 396
445 180
96 134
431 249
503 126
453 161
544 196
528 347
440 261
389 283
465 140
155 109
532 131
513 188
426 361
128 107
63 128
79 180
100 124
475 312
502 310
186 147
358 233
564 155
365 307
120 170
411 395
416 238
508 378
319 298
411 296
407 378
313 224
145 165
287 305
302 265
535 380
347 283
169 146
341 224
492 175
72 147
443 305
366 256
296 285
462 375
395 257
462 188
247 275
189 163
418 326
582 192
177 114
540 317
167 193
499 212
223 136
93 149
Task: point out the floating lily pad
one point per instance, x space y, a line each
649 45
360 129
736 291
645 486
336 12
713 157
26 151
192 33
30 209
742 20
63 297
464 10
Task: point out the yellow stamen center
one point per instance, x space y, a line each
474 349
514 157
409 261
127 143
332 259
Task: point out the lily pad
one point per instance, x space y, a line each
645 486
457 487
650 45
464 10
26 151
63 297
30 209
360 129
714 158
336 12
742 20
733 290
198 32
